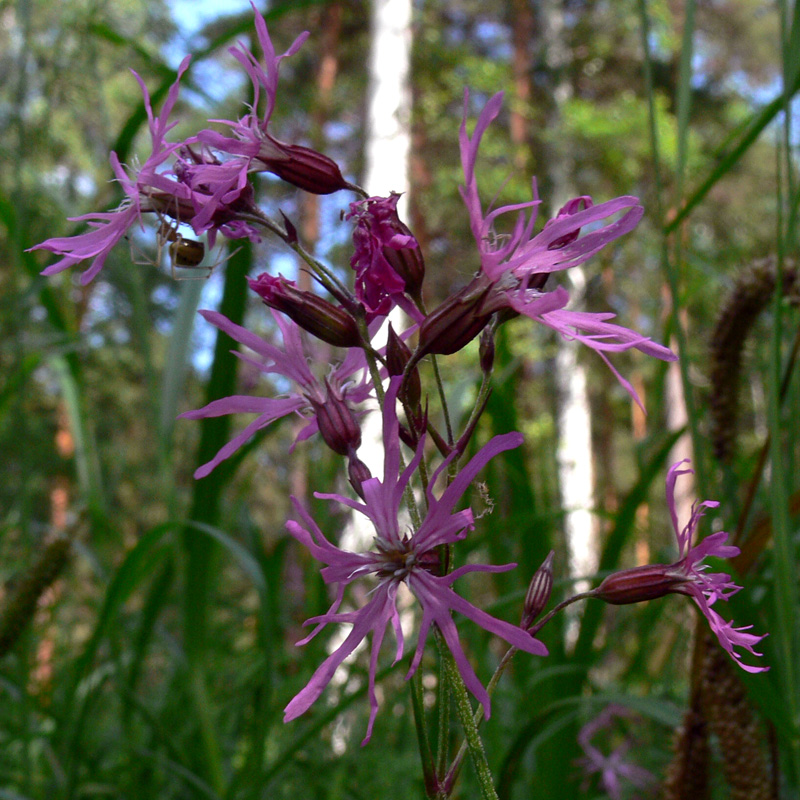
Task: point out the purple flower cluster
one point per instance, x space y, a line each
346 384
204 181
207 186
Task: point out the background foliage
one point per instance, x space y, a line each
159 658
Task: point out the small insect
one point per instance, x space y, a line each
184 253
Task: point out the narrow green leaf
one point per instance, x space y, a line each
173 383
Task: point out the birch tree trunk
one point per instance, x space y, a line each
574 450
387 151
387 147
389 101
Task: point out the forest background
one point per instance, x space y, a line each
154 650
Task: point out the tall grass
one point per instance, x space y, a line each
172 648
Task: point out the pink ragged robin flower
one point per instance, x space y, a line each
296 164
398 557
343 385
147 188
611 764
222 196
516 266
687 576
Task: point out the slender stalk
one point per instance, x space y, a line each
327 278
758 471
443 399
429 773
442 745
465 716
785 561
452 773
408 492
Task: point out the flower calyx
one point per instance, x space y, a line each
321 318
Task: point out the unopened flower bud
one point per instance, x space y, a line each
486 350
538 594
357 472
302 167
398 355
337 423
638 584
407 437
319 317
458 320
402 250
291 231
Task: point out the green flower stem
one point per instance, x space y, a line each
325 276
208 730
372 363
443 399
432 789
439 385
465 715
442 748
495 679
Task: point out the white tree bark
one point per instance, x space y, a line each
387 149
389 103
574 450
677 418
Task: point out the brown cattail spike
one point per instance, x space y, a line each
23 597
732 720
752 293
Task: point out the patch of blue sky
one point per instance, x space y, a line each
217 82
495 38
191 16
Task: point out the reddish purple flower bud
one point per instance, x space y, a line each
302 167
291 231
337 423
400 247
538 594
457 321
638 584
357 472
398 355
319 317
